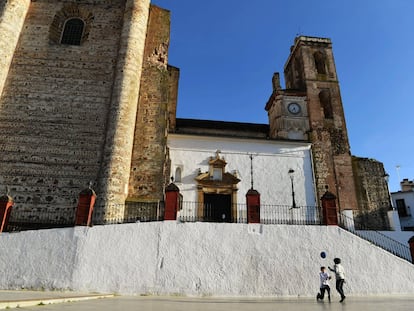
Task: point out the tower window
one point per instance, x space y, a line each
325 100
320 63
72 33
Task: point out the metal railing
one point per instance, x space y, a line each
375 237
41 218
269 214
47 217
134 212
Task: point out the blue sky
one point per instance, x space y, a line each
228 50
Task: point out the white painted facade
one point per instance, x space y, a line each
271 162
407 216
198 259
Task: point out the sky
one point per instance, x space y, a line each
228 50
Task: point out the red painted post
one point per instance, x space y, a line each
329 211
84 210
411 243
253 206
172 202
6 203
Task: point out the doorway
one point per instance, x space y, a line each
217 207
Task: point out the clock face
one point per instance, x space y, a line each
294 108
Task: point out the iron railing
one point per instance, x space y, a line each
47 217
269 214
40 218
133 212
130 212
375 237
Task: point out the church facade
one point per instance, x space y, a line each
216 170
87 95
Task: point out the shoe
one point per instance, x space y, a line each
318 296
329 298
342 299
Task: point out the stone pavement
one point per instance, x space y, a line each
25 298
77 301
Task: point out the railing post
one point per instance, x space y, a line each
172 201
411 243
84 210
253 206
6 203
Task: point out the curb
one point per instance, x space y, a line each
47 301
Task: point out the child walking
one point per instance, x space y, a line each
340 277
324 286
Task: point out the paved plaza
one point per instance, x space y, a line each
143 303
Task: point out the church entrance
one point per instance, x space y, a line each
217 207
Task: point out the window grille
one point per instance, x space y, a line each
72 33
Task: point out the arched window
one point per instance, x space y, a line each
320 62
71 25
325 100
73 31
177 176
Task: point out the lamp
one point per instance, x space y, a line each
291 172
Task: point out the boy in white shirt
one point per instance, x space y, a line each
324 286
340 277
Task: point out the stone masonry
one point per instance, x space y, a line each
67 112
117 155
311 77
372 193
149 152
311 68
11 24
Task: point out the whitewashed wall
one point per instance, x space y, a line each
202 259
271 163
408 197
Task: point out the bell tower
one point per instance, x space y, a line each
310 69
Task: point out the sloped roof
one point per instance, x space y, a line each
221 128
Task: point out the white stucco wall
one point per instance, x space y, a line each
271 163
408 197
217 259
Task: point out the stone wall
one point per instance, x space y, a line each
146 182
173 96
119 140
372 193
13 14
57 98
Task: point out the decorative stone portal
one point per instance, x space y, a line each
217 192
